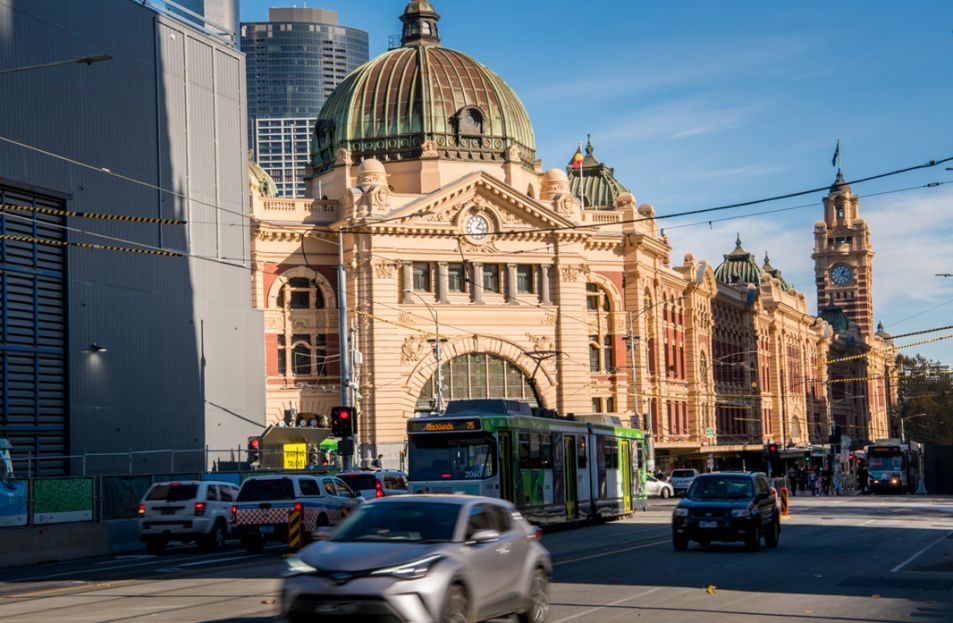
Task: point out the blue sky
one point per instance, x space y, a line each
698 104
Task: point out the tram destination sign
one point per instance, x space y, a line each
444 426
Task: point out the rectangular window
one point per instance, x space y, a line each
597 405
421 277
282 367
608 353
491 277
610 405
594 354
456 278
524 279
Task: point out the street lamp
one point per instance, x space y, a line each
342 309
903 434
438 376
79 60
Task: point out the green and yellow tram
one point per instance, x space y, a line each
554 469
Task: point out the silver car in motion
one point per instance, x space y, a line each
422 558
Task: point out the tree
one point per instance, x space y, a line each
925 386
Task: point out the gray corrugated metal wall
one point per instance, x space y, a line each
185 366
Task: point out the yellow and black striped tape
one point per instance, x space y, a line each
89 245
93 215
294 529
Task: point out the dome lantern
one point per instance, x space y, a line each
420 24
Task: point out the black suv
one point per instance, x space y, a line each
728 506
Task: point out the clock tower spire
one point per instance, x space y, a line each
843 258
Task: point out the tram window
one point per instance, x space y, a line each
611 452
546 452
525 460
536 461
581 459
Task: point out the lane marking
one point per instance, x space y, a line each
612 553
63 589
609 605
914 557
217 560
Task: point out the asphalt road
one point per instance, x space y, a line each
840 559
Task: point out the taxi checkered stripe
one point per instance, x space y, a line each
261 515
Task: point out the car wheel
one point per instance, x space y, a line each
253 545
773 535
155 546
753 540
214 540
665 494
680 543
538 610
457 608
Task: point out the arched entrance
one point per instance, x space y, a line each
479 375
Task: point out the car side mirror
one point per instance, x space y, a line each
355 494
321 534
483 536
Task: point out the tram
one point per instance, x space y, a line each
893 466
554 469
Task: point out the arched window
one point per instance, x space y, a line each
300 293
302 354
597 299
479 375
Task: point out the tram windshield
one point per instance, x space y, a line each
452 457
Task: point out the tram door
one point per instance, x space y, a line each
626 466
506 466
569 456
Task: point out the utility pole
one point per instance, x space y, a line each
347 459
632 342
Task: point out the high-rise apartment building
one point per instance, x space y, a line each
294 61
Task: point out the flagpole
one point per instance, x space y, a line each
582 180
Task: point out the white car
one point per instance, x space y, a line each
186 511
654 486
682 479
376 484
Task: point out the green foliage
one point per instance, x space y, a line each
926 387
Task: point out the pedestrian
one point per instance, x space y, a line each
378 462
812 482
863 477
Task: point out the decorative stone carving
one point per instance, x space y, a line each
405 318
550 319
273 321
377 199
509 218
412 349
540 342
513 153
468 247
371 173
572 272
555 183
565 205
342 156
429 150
385 270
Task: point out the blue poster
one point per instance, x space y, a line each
13 503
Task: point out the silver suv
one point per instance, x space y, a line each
186 510
421 558
682 479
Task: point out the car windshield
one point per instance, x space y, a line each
174 492
452 457
683 473
721 487
359 481
267 489
407 522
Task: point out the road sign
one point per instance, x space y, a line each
296 455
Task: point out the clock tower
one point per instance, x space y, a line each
843 258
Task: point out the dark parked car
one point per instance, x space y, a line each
728 507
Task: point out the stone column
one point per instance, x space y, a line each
544 296
476 285
442 278
511 284
407 277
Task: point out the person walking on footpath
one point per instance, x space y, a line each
863 477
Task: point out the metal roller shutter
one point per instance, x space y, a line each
33 390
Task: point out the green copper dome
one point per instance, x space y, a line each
739 267
422 100
600 187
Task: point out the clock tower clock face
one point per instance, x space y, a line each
477 227
841 275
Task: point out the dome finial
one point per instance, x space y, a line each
738 240
420 24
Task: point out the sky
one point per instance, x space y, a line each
698 104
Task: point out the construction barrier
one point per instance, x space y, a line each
784 501
294 528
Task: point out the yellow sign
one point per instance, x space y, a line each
296 455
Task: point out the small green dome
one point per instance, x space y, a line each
600 186
422 95
739 267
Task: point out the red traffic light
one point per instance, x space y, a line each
773 447
344 414
254 443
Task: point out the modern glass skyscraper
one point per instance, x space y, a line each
293 62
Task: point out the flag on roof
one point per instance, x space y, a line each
576 162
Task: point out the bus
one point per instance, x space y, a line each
893 466
553 469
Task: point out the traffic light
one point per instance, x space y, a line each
342 422
254 449
771 454
807 456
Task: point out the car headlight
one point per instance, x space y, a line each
411 570
740 513
295 566
681 512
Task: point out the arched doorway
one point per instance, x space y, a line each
479 375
